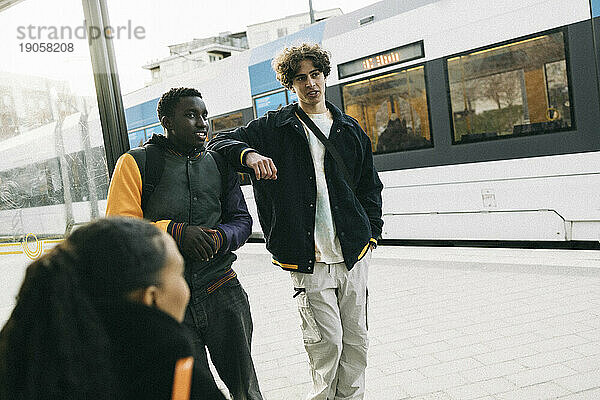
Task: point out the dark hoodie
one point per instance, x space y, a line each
147 345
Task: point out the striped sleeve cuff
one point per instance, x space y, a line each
219 238
177 230
243 154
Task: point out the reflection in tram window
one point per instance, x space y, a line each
154 129
25 102
52 175
392 109
33 185
515 89
136 138
227 122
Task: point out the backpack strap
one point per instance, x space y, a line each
328 145
150 160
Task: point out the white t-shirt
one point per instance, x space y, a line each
327 244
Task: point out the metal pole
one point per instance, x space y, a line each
106 78
596 45
312 12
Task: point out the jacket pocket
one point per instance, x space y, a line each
310 329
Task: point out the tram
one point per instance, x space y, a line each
483 116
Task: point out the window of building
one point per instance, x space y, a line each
392 109
281 32
226 122
519 88
214 57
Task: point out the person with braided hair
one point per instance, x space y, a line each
194 195
99 317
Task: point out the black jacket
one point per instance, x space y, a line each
286 206
146 347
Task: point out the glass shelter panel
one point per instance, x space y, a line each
392 109
520 88
53 172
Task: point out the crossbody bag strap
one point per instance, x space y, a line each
327 143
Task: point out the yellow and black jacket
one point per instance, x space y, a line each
190 191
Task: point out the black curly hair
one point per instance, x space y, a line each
287 63
54 345
168 101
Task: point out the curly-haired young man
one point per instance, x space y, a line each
196 199
320 222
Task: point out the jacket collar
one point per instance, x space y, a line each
162 141
287 115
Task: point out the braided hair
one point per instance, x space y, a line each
168 101
54 346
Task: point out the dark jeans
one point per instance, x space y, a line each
221 322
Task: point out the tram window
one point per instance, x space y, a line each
226 122
515 89
392 109
136 138
154 129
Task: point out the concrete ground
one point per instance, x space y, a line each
444 323
448 323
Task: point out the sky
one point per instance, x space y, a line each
163 23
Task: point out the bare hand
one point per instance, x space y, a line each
263 166
198 244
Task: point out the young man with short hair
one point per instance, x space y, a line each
320 215
197 199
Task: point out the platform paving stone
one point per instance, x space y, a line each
447 324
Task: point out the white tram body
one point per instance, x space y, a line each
527 169
538 188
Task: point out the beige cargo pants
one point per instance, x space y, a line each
333 309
